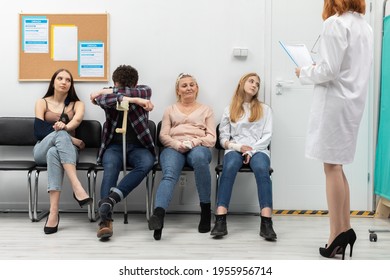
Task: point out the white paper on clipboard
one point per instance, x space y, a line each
298 53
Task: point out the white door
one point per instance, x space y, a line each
299 183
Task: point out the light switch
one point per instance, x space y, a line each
237 52
240 52
244 52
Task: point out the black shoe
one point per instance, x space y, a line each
50 230
351 241
86 201
157 234
339 243
266 229
351 235
205 218
156 222
220 226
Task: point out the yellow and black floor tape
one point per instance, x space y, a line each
354 213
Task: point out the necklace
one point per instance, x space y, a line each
55 106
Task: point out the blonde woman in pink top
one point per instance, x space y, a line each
188 133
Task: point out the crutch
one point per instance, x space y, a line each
123 106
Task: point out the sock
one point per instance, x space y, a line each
107 204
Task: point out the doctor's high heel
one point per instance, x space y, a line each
339 243
351 239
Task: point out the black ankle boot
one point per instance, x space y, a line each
266 229
220 226
156 222
205 218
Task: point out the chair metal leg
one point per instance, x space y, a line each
91 192
40 216
125 221
216 189
29 190
93 211
151 207
148 198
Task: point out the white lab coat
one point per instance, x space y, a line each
340 78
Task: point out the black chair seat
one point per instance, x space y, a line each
243 169
157 167
85 166
9 165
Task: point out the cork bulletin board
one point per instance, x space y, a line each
77 42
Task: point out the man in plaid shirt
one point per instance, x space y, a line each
140 153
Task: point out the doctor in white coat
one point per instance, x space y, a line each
340 78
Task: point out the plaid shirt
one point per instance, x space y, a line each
137 116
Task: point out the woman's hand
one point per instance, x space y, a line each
297 71
78 143
183 148
245 148
59 125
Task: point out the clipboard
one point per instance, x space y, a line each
298 53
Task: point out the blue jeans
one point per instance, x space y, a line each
53 151
260 164
138 157
172 162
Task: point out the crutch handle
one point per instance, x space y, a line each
123 106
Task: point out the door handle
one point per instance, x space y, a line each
280 84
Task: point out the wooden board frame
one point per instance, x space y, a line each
41 66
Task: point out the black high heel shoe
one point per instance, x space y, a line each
86 201
339 243
351 239
50 230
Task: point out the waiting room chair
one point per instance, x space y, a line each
90 132
157 167
219 167
98 168
17 132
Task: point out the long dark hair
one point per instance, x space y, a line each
72 95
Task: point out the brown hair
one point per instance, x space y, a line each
72 95
236 108
125 76
332 7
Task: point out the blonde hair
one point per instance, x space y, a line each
332 7
181 76
236 106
